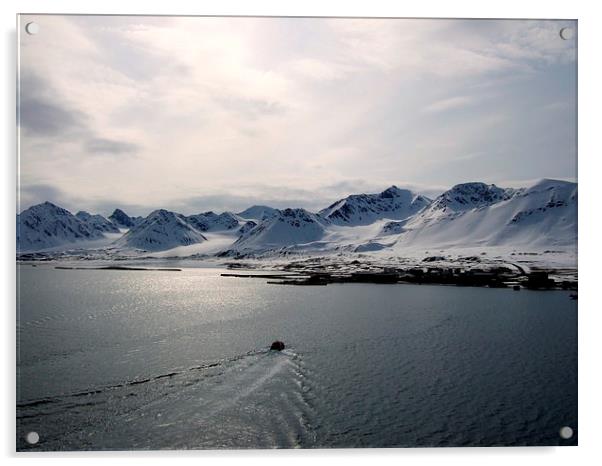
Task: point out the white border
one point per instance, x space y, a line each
590 211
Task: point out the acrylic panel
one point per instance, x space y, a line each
265 232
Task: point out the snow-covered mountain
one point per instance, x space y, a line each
477 214
466 196
210 221
123 220
258 212
363 209
285 228
393 228
46 226
97 222
160 231
246 227
468 215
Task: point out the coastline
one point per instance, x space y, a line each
325 270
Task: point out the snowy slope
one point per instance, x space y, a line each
363 209
468 196
159 231
542 215
393 228
97 222
285 228
46 226
246 227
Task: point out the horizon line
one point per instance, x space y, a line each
266 204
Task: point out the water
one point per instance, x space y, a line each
153 360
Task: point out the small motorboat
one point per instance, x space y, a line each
277 346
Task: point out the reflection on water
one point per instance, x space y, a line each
124 360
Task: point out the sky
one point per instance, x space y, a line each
207 113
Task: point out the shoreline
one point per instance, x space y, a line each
539 280
317 272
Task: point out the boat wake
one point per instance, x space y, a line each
258 399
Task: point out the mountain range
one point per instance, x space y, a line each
469 214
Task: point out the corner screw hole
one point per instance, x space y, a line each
32 28
32 438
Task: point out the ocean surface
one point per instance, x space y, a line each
119 360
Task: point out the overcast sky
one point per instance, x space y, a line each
196 114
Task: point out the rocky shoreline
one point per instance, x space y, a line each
320 273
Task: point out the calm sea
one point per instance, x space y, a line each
155 360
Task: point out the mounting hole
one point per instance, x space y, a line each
32 438
566 33
566 432
32 28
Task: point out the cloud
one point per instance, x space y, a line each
44 117
233 203
527 183
31 194
196 113
250 108
109 146
48 118
448 104
344 188
41 113
319 70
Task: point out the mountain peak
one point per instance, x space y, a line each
121 219
161 213
47 206
50 204
285 228
257 212
210 221
362 209
82 214
472 186
393 191
470 195
97 222
118 212
47 225
161 230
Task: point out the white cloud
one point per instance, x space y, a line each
447 104
194 107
